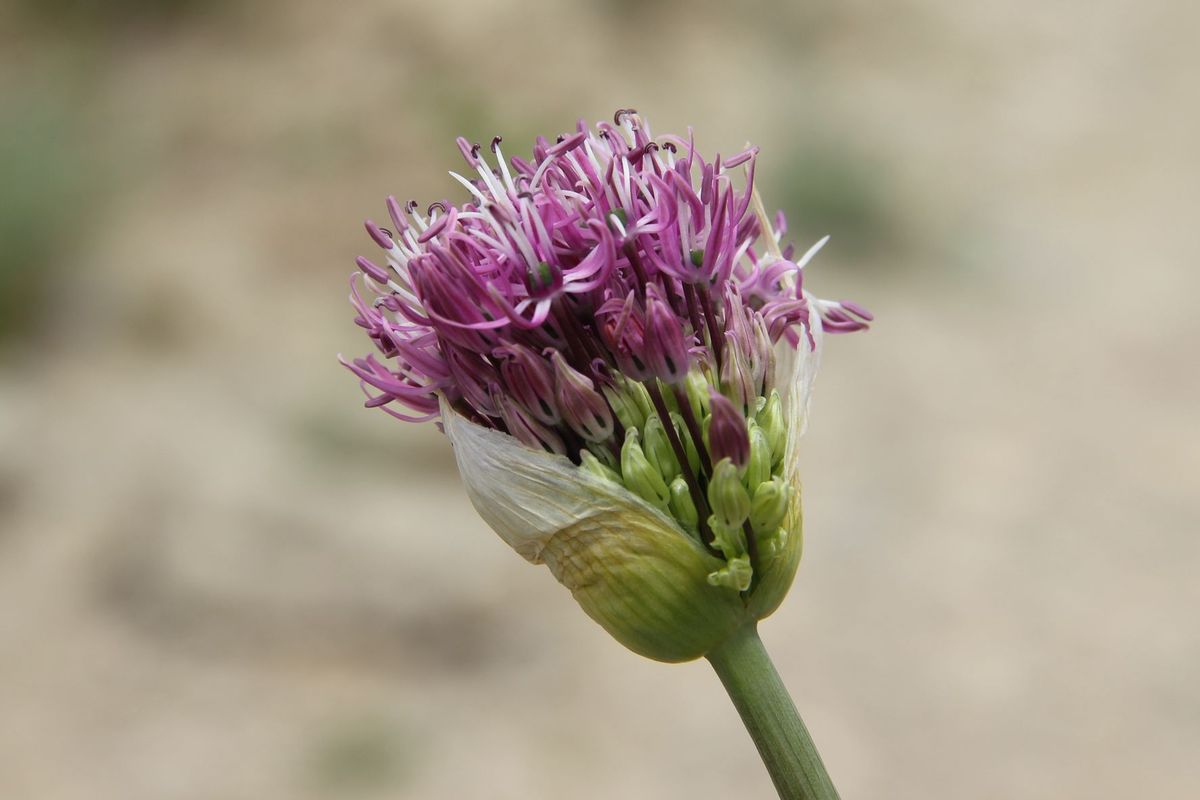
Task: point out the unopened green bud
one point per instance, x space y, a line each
689 447
737 379
772 422
730 539
630 402
758 468
682 507
640 476
605 455
657 448
736 575
727 496
769 506
772 545
697 389
589 462
642 398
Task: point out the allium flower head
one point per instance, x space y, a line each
621 352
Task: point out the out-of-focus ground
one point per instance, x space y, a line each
220 577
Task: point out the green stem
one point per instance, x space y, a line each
767 710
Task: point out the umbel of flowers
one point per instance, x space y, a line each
620 351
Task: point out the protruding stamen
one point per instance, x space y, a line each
622 113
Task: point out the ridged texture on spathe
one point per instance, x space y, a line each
645 585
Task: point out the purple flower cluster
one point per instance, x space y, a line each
609 257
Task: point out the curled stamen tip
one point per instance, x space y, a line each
496 140
411 206
621 113
670 147
438 204
381 236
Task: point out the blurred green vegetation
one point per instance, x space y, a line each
40 195
359 756
828 188
103 15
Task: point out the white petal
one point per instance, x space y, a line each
795 371
526 495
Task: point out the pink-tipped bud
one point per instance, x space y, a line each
737 378
728 436
622 328
525 428
666 346
582 407
530 381
473 377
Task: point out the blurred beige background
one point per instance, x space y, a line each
221 578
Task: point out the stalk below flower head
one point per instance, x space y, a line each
621 353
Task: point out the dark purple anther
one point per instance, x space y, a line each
728 436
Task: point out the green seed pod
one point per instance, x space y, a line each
727 496
682 507
640 476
